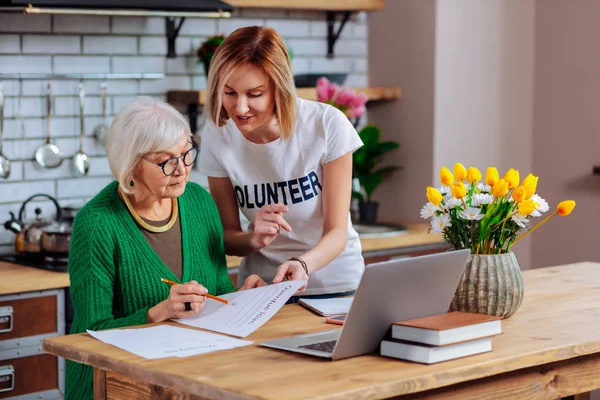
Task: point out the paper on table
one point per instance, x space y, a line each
248 309
167 341
328 307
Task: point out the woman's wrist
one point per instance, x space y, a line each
302 263
156 313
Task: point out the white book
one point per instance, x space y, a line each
427 354
328 307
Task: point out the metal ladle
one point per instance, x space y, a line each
48 155
80 160
101 131
4 162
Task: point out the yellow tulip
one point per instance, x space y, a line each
491 176
458 190
564 208
460 173
473 175
519 194
530 185
526 207
446 176
500 188
512 178
433 195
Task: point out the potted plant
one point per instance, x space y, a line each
365 164
207 49
488 217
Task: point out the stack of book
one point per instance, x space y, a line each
441 337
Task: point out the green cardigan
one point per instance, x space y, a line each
115 274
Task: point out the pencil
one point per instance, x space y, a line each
210 296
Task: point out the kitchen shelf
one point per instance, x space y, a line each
375 93
328 5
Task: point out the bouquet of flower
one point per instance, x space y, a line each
350 103
487 217
207 49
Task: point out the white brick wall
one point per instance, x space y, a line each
80 44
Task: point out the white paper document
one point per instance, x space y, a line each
247 311
167 341
328 307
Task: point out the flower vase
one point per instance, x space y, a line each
491 284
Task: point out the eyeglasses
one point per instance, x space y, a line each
170 166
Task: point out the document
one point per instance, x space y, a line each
247 310
167 341
328 307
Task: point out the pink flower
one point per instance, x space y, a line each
323 89
360 99
345 97
359 111
333 88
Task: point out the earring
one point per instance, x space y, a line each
131 183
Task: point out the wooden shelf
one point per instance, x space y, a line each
199 96
327 5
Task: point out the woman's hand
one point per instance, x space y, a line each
175 305
267 224
292 270
253 281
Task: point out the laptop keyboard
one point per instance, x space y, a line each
327 347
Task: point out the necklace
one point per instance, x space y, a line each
144 224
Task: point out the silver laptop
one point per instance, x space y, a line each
388 292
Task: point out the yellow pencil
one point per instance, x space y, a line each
210 296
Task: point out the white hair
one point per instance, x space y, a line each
143 126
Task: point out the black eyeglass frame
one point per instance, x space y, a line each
182 157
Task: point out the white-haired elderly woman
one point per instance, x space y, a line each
151 223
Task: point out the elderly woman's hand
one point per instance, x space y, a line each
253 281
268 223
175 305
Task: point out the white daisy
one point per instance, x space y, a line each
483 187
452 202
471 213
481 199
429 210
541 204
444 190
520 220
439 223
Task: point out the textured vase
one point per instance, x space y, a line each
491 284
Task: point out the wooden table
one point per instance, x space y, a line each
15 278
550 349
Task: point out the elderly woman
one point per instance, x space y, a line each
149 224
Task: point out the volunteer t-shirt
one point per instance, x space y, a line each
288 171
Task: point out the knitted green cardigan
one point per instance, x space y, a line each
115 274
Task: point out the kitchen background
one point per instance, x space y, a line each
85 44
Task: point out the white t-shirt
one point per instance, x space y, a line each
288 171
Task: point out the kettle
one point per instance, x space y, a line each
42 236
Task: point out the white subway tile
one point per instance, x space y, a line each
81 186
227 26
357 80
359 30
16 174
19 191
118 102
318 65
10 87
139 25
199 82
198 178
79 64
70 146
11 22
12 129
198 27
158 45
30 107
35 128
300 65
288 28
120 87
10 44
58 87
80 24
25 64
109 45
349 47
184 65
361 65
163 85
99 167
318 29
33 171
51 44
308 47
19 150
138 64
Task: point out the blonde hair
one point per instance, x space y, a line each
145 125
264 48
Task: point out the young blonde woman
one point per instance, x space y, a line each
285 162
